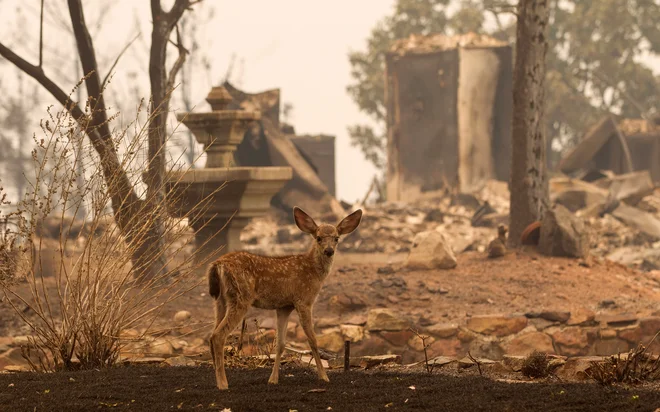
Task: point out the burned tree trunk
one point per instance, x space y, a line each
529 185
129 210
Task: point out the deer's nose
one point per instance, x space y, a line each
329 252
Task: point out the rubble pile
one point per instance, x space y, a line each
621 214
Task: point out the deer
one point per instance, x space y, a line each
240 280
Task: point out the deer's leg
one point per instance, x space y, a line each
235 314
282 322
305 314
220 312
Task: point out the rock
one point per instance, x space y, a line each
563 234
417 344
398 338
357 319
466 362
385 270
19 341
430 251
577 368
650 326
556 316
497 325
442 330
371 345
182 316
385 319
332 341
618 321
527 343
354 333
440 361
179 361
607 303
605 347
347 302
371 361
444 347
515 362
581 317
147 360
607 334
573 341
161 347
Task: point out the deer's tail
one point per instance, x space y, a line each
215 283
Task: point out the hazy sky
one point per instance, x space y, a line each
299 46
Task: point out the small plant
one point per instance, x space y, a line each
423 338
536 365
636 366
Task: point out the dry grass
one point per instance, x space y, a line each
80 302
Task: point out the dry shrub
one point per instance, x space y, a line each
636 366
536 365
78 306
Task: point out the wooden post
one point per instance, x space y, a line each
347 355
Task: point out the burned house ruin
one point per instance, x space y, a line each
449 102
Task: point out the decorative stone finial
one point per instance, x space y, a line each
219 98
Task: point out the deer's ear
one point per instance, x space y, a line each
304 221
350 223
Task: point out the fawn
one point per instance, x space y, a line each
239 280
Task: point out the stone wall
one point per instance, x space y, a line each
580 333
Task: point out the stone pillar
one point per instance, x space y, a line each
217 236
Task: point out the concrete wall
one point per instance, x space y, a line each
319 150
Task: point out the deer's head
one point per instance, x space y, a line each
326 236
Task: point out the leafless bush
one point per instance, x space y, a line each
90 294
636 366
536 365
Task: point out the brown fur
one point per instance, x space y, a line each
239 280
497 246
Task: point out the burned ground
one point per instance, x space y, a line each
150 388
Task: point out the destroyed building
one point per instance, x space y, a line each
271 143
620 146
449 103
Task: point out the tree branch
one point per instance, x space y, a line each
41 36
90 68
38 74
105 79
178 64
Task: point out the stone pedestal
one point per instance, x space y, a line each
216 237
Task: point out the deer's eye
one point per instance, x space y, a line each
336 238
318 238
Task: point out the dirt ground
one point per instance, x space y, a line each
520 282
149 388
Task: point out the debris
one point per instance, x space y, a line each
563 234
368 362
430 251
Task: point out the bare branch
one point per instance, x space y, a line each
38 74
178 64
105 79
90 67
41 36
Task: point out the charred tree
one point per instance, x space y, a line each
529 184
128 207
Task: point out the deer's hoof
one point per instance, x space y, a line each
324 378
273 380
